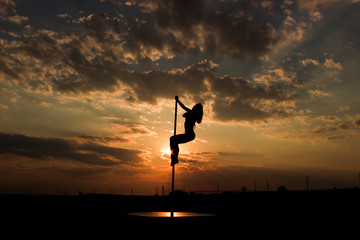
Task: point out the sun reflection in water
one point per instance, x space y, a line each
168 214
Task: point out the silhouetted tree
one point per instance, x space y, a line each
281 189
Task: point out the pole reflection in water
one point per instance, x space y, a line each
171 214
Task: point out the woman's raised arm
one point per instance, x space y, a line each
181 104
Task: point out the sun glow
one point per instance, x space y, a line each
165 151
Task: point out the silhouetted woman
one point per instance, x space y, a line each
191 116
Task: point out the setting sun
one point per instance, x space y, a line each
166 152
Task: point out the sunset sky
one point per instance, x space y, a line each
87 94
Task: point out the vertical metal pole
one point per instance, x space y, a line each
173 169
173 179
175 117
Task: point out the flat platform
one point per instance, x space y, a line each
168 214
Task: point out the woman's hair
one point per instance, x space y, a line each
198 111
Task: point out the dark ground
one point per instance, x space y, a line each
250 215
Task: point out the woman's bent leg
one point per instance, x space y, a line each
174 145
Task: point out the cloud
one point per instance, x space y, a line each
269 95
75 69
197 161
277 75
314 8
18 19
60 149
7 8
308 119
8 12
356 122
148 86
101 55
330 63
309 61
313 4
104 140
131 129
318 134
317 93
64 64
63 15
200 81
196 26
329 129
163 29
236 110
235 98
2 106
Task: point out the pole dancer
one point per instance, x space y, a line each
191 116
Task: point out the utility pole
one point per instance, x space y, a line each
255 186
267 184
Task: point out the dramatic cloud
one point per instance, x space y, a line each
236 98
197 26
165 28
60 149
8 12
100 56
237 110
102 51
198 80
320 133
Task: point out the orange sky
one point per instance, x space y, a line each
87 94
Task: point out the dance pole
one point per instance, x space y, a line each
173 169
